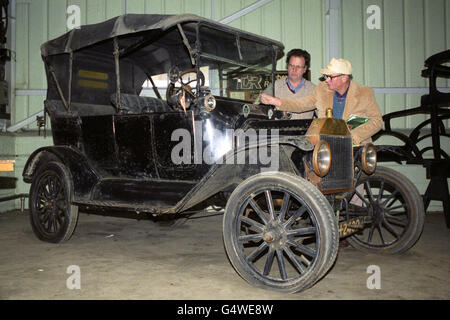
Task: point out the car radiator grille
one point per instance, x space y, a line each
340 175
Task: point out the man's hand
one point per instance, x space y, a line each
268 99
182 101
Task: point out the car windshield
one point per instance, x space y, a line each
237 67
236 81
223 79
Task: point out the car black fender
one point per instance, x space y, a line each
83 175
226 176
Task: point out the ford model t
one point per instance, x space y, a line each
291 188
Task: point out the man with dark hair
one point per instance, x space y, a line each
295 85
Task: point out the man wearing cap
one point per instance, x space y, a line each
343 95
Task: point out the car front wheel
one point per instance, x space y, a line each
280 232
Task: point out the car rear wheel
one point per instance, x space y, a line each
396 210
280 232
52 216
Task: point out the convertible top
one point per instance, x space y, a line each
127 24
89 64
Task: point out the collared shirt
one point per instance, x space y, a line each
339 104
297 88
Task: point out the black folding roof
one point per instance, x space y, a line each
88 35
85 65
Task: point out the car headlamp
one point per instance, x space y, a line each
369 158
322 158
209 102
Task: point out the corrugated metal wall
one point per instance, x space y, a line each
393 56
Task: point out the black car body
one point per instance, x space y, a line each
287 184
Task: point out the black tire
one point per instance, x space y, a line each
52 216
278 216
397 211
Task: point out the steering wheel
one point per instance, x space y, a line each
180 97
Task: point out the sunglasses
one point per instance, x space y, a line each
325 76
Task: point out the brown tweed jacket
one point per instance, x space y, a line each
360 101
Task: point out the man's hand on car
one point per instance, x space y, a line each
268 99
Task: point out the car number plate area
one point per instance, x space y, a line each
351 226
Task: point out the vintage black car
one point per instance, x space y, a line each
291 188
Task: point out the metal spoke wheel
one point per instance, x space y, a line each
396 210
52 216
280 232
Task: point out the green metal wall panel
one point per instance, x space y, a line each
374 73
253 21
137 6
352 36
414 42
113 8
411 30
436 35
57 17
393 56
96 11
313 35
38 26
22 45
394 46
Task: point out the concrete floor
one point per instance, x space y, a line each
122 258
